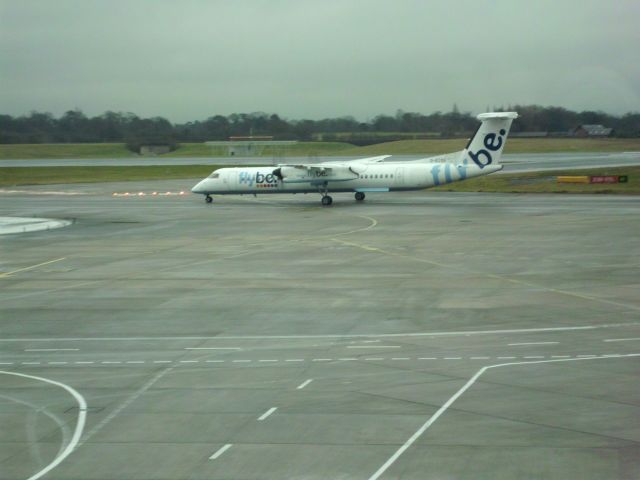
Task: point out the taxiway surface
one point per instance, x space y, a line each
416 335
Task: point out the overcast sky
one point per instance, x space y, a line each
191 59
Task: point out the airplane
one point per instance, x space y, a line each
480 157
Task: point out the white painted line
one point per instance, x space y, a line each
621 339
506 358
30 363
51 349
241 361
84 363
449 402
267 360
6 363
586 356
295 360
162 361
82 415
373 346
267 413
213 348
221 451
375 358
479 358
57 363
109 363
125 404
400 358
532 343
427 358
531 357
304 384
452 358
362 335
322 360
214 361
189 361
135 361
347 359
558 356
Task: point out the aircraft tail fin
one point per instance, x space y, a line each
486 146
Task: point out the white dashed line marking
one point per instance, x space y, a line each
267 361
267 413
220 451
212 348
532 343
304 384
294 360
621 339
51 349
373 346
375 359
322 360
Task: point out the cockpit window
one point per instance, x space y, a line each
214 175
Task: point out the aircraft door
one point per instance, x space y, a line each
399 177
230 180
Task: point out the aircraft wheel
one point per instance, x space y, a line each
327 200
208 199
359 196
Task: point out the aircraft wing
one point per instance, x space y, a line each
377 159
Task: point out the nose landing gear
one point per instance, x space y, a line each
359 196
208 199
326 200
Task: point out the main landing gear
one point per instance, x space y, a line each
208 199
359 196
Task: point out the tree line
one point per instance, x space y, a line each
75 127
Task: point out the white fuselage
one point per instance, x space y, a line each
357 177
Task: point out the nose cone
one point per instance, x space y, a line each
198 188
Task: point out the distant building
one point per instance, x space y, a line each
592 131
152 150
252 146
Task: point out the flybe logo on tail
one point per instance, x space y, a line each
492 143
